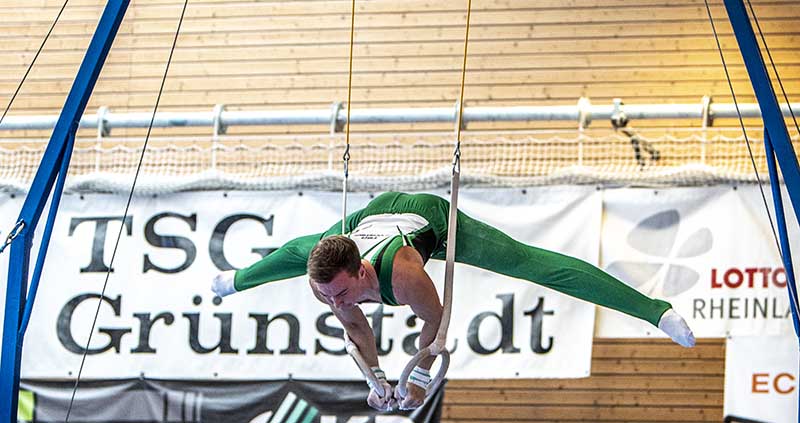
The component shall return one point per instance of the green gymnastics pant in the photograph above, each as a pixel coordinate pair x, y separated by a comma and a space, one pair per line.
483, 246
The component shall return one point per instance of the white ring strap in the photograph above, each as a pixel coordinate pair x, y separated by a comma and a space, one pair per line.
438, 347
365, 368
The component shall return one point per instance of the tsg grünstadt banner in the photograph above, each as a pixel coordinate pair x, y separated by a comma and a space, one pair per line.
158, 317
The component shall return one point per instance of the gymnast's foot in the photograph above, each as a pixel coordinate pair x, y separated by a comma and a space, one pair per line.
673, 325
223, 284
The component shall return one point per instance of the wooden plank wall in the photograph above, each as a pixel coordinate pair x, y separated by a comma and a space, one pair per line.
633, 380
278, 55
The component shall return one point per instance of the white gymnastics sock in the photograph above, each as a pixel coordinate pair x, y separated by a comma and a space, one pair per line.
223, 283
673, 325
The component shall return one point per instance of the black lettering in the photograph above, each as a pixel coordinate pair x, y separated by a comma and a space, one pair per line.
506, 326
170, 241
64, 326
224, 343
262, 324
775, 313
699, 305
410, 341
215, 245
760, 307
733, 308
537, 319
332, 331
746, 307
97, 263
377, 329
719, 307
145, 324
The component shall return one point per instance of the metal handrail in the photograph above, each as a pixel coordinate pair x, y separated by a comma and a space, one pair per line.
583, 111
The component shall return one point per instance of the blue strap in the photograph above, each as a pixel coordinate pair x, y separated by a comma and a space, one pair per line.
786, 255
65, 157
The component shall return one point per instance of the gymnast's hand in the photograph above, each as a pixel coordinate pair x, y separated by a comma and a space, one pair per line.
385, 402
415, 396
223, 283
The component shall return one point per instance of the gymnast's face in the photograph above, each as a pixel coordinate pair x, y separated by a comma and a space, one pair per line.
344, 289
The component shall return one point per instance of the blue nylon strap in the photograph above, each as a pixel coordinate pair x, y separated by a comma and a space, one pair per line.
65, 157
783, 234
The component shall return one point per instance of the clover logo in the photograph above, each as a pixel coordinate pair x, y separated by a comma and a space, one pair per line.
655, 239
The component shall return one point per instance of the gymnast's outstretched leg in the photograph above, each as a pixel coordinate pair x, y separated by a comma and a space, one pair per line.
486, 247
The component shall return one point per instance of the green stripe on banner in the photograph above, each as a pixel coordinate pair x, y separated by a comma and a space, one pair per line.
284, 408
312, 412
298, 411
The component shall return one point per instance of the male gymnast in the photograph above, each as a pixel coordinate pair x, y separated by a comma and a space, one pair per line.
382, 258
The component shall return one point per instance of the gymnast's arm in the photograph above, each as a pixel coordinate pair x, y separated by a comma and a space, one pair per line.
413, 286
288, 261
357, 329
356, 326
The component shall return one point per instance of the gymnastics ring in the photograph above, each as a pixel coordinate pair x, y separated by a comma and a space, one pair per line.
433, 349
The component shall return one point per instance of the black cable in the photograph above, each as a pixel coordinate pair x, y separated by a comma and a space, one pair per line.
28, 71
127, 208
774, 68
744, 131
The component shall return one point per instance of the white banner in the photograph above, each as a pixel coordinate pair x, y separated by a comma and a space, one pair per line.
761, 378
708, 251
158, 316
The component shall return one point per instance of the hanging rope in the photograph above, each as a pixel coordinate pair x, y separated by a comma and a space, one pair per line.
127, 208
350, 346
776, 192
460, 117
19, 226
772, 64
346, 156
438, 346
36, 56
744, 131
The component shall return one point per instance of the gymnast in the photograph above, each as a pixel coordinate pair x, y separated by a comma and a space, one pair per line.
382, 257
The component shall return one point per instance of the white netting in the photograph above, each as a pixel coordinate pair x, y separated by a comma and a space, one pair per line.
264, 163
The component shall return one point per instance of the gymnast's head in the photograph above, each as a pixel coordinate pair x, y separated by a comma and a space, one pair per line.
331, 256
334, 267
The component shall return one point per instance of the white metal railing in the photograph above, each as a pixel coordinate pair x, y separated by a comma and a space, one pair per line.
219, 119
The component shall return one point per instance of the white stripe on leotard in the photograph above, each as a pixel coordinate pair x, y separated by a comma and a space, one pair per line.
382, 228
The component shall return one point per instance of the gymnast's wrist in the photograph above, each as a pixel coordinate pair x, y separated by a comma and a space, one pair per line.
420, 376
379, 374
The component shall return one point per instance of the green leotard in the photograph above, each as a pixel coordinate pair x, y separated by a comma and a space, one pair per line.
394, 219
